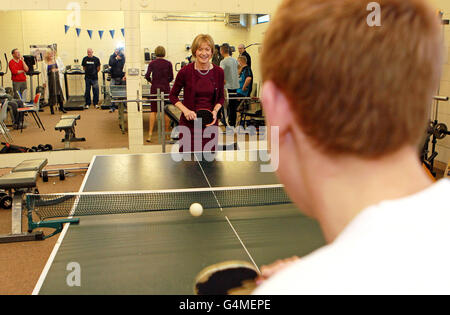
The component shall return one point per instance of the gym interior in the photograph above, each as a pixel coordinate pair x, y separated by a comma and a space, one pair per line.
103, 32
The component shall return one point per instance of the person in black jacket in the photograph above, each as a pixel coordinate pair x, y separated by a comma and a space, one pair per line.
117, 63
243, 52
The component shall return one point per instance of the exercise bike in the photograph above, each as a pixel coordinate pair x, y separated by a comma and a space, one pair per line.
435, 131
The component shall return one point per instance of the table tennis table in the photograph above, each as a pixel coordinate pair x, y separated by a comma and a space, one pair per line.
161, 252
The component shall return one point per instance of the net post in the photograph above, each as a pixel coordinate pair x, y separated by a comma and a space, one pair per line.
16, 216
163, 122
158, 96
16, 231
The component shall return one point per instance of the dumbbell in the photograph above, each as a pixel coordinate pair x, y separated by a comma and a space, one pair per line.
61, 173
48, 147
41, 148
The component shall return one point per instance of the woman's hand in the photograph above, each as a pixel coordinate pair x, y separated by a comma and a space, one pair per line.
269, 270
214, 118
190, 115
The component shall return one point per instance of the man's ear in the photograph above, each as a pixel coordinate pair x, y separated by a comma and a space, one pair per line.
276, 107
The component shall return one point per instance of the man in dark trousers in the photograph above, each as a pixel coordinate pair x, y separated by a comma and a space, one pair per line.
91, 67
117, 63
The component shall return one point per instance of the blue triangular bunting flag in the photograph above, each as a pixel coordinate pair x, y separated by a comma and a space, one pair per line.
90, 33
112, 33
123, 32
78, 31
100, 33
66, 28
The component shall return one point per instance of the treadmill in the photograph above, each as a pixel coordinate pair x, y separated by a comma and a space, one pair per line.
2, 73
106, 74
73, 102
30, 60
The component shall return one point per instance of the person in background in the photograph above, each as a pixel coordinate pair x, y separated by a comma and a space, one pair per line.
203, 85
351, 104
217, 57
18, 70
243, 52
245, 78
91, 66
117, 63
13, 106
230, 68
159, 74
51, 77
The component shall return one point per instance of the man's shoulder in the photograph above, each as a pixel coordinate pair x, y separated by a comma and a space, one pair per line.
229, 61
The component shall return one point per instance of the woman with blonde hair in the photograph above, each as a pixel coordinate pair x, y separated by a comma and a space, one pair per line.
203, 85
52, 81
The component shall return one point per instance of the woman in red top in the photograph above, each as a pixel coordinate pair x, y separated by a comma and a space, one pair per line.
203, 85
159, 74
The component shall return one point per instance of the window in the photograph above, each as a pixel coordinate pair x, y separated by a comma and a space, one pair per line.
262, 18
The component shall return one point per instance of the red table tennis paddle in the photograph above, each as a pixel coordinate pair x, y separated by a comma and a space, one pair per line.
226, 278
206, 116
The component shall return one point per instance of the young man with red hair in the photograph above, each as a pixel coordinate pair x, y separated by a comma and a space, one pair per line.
352, 102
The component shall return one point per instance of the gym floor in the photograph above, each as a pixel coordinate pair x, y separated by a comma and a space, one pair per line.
99, 127
21, 263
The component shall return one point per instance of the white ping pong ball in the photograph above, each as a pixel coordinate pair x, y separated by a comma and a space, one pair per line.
196, 209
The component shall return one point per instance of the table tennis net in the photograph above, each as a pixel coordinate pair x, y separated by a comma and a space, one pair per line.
98, 203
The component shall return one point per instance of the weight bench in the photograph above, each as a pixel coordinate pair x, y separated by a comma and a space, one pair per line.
26, 166
67, 124
22, 181
174, 115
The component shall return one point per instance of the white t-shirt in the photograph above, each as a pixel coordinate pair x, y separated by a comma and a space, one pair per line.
395, 247
230, 69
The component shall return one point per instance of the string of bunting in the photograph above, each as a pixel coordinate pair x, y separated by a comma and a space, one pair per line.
91, 32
